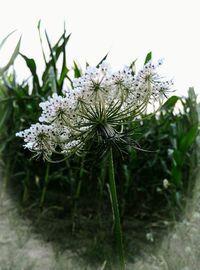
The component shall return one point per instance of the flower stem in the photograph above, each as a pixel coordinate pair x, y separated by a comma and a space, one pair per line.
116, 215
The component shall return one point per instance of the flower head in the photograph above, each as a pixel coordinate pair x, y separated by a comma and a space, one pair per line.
94, 84
57, 108
97, 110
39, 138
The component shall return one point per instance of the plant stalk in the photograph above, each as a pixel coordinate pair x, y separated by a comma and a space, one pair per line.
116, 215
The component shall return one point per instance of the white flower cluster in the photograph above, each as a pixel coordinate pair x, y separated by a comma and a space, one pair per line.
38, 138
100, 103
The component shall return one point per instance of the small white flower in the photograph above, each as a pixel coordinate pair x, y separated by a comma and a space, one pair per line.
39, 138
149, 82
69, 147
123, 79
94, 84
57, 108
166, 183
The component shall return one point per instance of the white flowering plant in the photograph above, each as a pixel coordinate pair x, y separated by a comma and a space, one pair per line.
95, 114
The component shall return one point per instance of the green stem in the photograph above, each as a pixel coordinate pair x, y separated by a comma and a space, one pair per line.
116, 215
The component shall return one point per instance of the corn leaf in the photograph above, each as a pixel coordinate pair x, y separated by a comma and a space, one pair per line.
32, 66
12, 58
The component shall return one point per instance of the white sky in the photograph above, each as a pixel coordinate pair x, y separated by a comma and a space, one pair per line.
127, 29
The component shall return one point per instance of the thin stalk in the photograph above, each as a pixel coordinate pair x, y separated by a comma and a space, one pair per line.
115, 209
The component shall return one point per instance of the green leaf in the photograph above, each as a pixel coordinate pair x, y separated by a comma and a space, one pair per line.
53, 59
12, 58
61, 49
191, 94
4, 40
52, 80
49, 44
5, 142
170, 103
148, 58
57, 49
188, 139
64, 69
176, 176
103, 59
63, 74
41, 42
178, 158
77, 71
32, 66
5, 116
55, 52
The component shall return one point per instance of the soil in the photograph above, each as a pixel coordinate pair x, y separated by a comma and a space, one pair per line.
22, 245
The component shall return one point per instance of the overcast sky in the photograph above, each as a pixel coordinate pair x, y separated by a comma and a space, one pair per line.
126, 29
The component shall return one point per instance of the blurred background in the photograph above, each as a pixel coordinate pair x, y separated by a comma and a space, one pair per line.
126, 29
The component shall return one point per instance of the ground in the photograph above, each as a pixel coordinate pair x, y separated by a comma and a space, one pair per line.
22, 248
